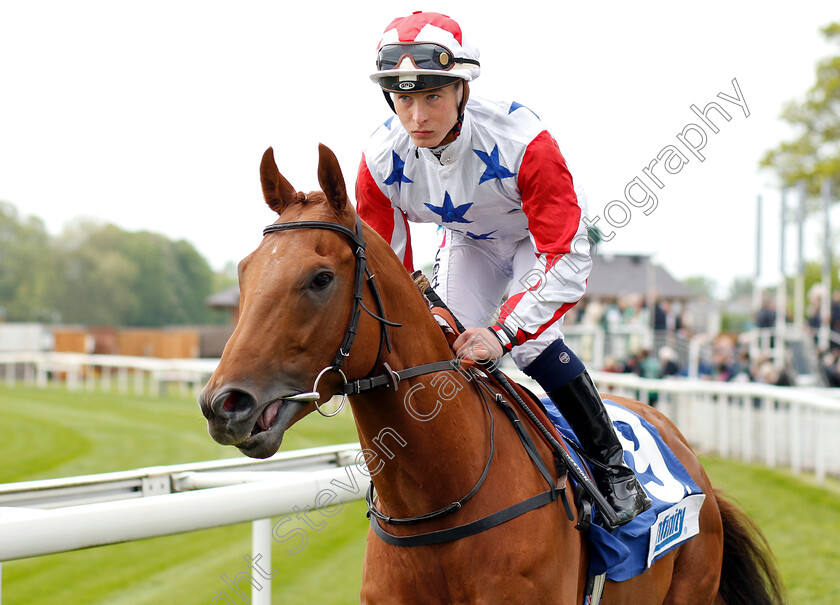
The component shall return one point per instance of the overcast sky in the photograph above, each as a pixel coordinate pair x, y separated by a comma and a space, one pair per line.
154, 115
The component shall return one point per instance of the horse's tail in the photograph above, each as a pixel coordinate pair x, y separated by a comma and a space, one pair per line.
749, 575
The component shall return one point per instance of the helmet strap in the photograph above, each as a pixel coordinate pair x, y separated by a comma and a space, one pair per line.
462, 107
389, 100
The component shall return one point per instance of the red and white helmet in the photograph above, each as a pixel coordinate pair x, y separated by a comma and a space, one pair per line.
424, 51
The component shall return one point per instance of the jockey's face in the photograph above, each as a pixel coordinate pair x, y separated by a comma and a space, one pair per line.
429, 116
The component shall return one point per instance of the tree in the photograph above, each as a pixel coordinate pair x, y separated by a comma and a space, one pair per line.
225, 278
100, 274
814, 155
700, 286
97, 278
28, 267
112, 276
741, 287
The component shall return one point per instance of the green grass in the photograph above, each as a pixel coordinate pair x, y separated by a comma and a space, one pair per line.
54, 433
801, 521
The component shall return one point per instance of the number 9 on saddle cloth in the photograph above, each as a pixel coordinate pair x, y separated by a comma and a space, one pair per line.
673, 518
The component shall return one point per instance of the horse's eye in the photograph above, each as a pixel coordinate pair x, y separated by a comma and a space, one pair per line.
321, 281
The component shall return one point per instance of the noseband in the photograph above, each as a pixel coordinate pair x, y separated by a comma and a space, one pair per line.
357, 242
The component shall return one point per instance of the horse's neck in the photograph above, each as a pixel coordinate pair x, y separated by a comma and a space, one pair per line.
420, 439
427, 439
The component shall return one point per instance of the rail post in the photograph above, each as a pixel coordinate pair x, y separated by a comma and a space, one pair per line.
261, 555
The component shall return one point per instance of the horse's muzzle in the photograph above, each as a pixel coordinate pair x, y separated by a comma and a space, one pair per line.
237, 417
229, 414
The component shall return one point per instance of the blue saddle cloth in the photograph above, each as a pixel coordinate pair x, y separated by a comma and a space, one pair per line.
676, 498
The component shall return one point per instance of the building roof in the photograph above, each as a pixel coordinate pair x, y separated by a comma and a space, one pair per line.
227, 298
615, 275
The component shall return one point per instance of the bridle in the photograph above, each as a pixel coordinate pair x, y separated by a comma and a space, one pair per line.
357, 242
390, 377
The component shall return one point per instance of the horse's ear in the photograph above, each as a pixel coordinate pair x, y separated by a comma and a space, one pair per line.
330, 178
278, 192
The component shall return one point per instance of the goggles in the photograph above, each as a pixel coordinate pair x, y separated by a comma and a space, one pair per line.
423, 55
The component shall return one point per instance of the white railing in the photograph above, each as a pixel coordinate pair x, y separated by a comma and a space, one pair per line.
82, 371
595, 346
60, 515
790, 427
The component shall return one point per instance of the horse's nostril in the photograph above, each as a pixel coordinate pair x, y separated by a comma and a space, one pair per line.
233, 402
230, 402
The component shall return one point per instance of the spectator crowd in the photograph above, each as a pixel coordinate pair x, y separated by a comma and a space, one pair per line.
725, 357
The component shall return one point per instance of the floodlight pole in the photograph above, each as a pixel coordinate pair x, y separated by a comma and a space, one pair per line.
799, 280
779, 341
756, 288
757, 295
825, 306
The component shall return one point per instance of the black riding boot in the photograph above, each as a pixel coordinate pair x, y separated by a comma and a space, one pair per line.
579, 401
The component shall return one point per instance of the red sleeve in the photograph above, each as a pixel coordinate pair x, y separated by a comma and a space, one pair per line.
378, 212
554, 220
548, 197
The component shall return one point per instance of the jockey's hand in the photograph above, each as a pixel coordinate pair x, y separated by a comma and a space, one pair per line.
479, 345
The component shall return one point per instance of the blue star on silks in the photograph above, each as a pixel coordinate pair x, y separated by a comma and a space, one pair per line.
449, 212
397, 175
482, 235
514, 106
495, 170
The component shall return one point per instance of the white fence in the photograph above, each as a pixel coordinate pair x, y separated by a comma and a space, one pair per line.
82, 371
790, 427
777, 426
60, 515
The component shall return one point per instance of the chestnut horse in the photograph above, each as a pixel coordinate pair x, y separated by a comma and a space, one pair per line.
430, 439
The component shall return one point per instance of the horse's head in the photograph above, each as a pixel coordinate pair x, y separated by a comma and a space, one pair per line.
296, 298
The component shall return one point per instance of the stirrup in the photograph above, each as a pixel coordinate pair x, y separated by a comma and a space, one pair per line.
636, 499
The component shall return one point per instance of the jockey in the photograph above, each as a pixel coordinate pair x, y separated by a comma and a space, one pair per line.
513, 223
